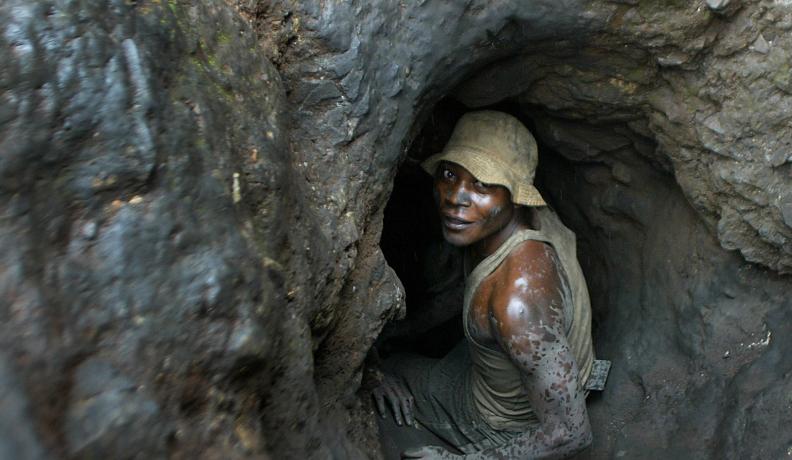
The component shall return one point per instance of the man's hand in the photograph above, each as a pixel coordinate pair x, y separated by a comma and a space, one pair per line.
429, 453
399, 398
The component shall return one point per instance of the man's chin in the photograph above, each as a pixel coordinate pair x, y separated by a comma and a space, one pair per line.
455, 238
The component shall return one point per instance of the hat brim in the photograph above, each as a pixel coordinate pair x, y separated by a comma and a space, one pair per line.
485, 168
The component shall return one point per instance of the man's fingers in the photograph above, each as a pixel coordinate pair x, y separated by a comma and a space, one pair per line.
408, 411
414, 453
426, 452
393, 398
407, 406
405, 403
379, 399
398, 397
402, 394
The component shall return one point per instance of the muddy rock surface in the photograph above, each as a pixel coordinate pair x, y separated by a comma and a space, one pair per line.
192, 197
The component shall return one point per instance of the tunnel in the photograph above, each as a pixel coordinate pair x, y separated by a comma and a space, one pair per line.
588, 185
640, 242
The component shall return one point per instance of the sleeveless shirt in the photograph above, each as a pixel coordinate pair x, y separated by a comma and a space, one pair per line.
497, 390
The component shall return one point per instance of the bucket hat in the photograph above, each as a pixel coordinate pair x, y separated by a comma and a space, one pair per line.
496, 148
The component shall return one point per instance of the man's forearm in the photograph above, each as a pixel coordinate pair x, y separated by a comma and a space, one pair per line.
535, 444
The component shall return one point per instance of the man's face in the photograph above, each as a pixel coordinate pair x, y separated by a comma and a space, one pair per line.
470, 211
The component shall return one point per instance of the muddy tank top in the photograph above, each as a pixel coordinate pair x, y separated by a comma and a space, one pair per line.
497, 389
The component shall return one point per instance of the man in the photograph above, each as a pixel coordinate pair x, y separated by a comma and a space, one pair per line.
515, 388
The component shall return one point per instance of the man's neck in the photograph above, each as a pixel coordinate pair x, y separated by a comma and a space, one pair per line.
482, 249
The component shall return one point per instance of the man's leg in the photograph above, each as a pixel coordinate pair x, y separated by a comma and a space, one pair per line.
396, 439
438, 388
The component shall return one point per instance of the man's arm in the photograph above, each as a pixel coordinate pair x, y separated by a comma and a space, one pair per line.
528, 322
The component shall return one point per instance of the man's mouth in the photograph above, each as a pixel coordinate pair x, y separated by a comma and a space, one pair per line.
455, 223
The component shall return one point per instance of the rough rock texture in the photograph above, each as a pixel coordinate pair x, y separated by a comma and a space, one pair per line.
142, 293
696, 335
711, 91
189, 248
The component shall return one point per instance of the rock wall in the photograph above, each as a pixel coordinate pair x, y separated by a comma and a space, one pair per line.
696, 334
190, 234
145, 180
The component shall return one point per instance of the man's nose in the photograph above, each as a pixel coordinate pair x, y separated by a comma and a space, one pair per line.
459, 196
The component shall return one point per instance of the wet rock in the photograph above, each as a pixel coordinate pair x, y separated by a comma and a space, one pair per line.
718, 4
18, 438
646, 254
143, 144
110, 415
761, 45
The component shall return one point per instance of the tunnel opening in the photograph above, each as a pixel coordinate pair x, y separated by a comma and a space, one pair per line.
601, 168
601, 171
431, 269
616, 163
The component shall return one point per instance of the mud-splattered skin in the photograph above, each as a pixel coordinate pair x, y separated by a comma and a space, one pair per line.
519, 309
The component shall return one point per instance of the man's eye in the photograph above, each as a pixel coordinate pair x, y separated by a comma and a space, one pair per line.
482, 185
447, 174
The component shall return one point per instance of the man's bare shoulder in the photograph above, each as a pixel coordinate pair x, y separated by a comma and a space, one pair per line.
531, 254
528, 289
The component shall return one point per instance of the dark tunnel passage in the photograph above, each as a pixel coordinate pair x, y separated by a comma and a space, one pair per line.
431, 270
636, 234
